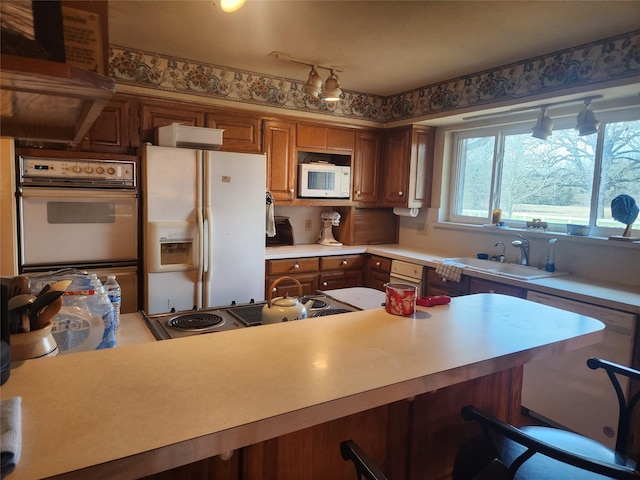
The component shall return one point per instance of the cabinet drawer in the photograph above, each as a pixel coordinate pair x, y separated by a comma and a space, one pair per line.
342, 262
309, 283
337, 279
380, 263
288, 266
378, 280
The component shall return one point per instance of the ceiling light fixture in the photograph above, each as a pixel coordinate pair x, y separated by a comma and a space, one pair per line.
231, 5
544, 126
313, 86
586, 122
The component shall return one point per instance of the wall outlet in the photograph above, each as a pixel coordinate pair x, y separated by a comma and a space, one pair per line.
307, 225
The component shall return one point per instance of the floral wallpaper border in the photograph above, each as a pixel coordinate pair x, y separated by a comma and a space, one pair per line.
598, 62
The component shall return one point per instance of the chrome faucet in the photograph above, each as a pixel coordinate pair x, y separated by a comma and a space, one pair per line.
501, 258
523, 245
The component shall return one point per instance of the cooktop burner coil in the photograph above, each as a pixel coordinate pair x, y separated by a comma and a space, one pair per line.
195, 322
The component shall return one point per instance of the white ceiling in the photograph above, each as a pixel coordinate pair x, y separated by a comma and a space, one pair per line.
384, 47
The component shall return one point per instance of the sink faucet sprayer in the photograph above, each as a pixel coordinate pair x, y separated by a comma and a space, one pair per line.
523, 245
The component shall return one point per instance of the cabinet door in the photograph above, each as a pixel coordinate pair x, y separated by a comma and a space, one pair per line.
320, 137
378, 271
166, 113
366, 168
408, 168
241, 132
279, 145
478, 285
397, 157
110, 131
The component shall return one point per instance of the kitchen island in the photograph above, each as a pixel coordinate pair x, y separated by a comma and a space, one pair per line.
140, 409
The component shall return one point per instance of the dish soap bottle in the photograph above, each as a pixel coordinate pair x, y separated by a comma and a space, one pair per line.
550, 265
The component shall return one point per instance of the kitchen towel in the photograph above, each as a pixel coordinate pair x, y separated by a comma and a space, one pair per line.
450, 270
11, 436
271, 223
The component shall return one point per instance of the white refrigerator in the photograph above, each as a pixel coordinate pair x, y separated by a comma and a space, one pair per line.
204, 228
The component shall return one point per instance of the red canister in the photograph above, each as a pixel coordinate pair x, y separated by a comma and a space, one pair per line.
400, 299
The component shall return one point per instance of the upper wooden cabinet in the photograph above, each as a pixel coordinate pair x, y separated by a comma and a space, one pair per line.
321, 138
241, 131
366, 168
408, 167
110, 131
279, 145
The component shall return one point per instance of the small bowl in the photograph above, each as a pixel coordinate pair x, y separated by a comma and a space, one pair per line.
578, 230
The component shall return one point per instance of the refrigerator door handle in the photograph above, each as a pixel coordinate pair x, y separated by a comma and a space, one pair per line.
208, 260
200, 258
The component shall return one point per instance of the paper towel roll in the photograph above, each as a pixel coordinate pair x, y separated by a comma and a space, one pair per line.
406, 212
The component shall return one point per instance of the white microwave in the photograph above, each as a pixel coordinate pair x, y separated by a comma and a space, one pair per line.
324, 180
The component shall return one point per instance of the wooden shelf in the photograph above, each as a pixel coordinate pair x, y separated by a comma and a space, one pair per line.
49, 101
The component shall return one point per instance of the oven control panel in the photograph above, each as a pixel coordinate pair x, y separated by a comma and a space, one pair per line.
78, 172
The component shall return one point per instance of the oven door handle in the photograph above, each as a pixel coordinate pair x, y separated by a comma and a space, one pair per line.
35, 192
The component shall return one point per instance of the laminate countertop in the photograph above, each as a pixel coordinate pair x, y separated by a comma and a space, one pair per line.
151, 406
605, 294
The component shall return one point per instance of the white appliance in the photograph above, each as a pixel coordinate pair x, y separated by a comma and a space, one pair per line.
409, 273
204, 224
323, 180
563, 391
80, 213
329, 219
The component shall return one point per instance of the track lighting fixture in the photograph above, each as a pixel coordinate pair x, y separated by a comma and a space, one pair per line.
543, 126
313, 86
586, 122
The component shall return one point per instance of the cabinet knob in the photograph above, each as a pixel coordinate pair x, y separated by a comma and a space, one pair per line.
377, 264
444, 280
324, 284
291, 191
296, 266
344, 262
401, 193
358, 192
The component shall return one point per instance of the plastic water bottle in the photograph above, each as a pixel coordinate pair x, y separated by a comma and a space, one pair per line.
115, 295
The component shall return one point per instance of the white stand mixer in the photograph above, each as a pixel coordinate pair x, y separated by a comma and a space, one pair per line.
329, 219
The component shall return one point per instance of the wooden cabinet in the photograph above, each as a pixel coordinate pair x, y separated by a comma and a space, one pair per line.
279, 145
366, 168
305, 270
377, 272
241, 131
341, 271
408, 167
440, 286
321, 137
159, 114
110, 131
479, 285
206, 469
314, 273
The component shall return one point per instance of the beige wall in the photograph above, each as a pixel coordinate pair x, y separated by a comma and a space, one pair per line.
8, 224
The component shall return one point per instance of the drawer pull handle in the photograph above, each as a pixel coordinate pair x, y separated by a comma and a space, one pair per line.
296, 266
377, 264
344, 262
324, 284
401, 193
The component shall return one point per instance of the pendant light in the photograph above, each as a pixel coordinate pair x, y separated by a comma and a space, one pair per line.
586, 120
332, 89
313, 86
543, 126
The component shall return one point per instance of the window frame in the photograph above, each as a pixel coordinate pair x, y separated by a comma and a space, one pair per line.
500, 127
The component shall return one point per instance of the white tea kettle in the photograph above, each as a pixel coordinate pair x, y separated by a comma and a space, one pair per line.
285, 308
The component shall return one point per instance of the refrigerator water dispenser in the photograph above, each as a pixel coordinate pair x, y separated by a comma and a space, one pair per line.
170, 246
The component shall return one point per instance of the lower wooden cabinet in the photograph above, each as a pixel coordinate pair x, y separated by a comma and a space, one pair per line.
411, 439
314, 273
479, 285
377, 272
440, 286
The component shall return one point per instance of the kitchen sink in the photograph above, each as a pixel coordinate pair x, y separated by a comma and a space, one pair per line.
510, 270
